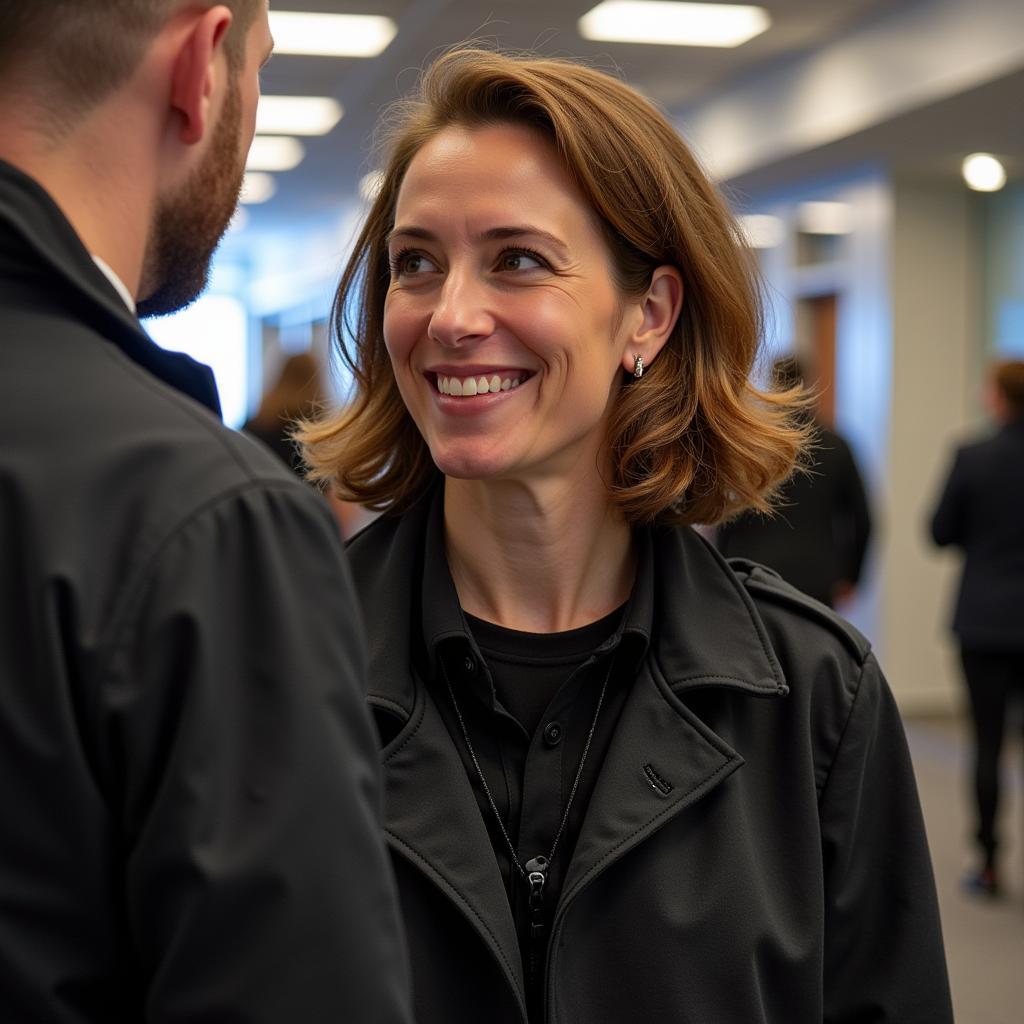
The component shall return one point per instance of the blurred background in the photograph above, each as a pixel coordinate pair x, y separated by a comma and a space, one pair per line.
840, 131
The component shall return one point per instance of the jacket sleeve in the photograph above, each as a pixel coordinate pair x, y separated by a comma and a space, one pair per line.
884, 958
244, 771
949, 524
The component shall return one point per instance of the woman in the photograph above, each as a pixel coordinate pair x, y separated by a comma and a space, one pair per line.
625, 781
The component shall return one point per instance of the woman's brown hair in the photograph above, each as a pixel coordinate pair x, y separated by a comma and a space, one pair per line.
693, 440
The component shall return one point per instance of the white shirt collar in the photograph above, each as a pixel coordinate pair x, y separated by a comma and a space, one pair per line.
119, 286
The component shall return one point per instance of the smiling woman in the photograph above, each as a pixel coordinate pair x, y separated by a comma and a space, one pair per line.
625, 780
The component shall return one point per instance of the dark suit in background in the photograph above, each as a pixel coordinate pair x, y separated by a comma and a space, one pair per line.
982, 511
817, 538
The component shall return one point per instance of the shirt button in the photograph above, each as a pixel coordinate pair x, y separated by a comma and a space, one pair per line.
552, 734
469, 665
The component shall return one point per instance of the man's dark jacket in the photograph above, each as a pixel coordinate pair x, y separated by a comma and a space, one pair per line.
982, 511
188, 778
753, 851
819, 533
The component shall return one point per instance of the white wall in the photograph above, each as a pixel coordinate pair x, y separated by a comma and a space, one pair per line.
937, 335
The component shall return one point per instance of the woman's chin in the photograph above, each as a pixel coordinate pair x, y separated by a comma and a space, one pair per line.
471, 465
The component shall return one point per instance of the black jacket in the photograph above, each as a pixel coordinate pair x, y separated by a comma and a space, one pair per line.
819, 534
188, 777
982, 511
753, 851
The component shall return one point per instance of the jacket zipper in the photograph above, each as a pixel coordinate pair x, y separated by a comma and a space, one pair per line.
536, 877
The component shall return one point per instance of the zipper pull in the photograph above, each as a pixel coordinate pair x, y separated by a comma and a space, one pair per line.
536, 875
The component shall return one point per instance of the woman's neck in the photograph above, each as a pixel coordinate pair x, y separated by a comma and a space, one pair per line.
540, 557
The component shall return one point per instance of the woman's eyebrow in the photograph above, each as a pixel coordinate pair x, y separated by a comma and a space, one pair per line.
502, 233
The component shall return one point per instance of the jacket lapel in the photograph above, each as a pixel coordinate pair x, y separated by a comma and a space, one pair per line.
445, 838
663, 759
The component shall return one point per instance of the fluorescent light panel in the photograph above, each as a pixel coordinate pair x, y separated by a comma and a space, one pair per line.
297, 115
673, 24
331, 35
983, 172
274, 153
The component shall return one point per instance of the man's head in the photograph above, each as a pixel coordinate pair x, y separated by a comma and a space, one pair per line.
76, 52
191, 67
1006, 390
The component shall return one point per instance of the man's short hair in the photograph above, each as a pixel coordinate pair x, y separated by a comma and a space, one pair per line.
71, 54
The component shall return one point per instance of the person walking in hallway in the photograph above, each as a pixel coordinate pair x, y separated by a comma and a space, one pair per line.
188, 775
818, 532
981, 511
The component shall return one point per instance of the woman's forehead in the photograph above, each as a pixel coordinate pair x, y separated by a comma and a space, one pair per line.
486, 176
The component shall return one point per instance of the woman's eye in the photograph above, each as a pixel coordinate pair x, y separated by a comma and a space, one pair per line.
410, 264
515, 260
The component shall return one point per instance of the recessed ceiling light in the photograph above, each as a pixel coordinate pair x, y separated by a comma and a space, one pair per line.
274, 153
673, 24
761, 231
331, 35
257, 187
983, 172
297, 115
825, 218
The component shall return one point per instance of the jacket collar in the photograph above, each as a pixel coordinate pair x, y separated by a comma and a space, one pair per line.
697, 600
39, 248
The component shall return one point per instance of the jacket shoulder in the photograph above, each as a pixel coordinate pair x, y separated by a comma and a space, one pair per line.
790, 610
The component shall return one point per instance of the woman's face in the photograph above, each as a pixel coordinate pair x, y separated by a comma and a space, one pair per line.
505, 328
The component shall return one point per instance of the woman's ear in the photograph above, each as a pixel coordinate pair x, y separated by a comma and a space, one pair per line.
195, 71
659, 310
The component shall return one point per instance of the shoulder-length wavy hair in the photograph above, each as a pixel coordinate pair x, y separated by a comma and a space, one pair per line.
692, 441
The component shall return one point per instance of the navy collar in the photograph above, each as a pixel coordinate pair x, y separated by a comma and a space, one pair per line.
43, 258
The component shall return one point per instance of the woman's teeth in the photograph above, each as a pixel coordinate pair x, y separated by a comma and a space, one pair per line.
465, 386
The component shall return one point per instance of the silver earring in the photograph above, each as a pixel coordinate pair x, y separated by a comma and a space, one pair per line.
638, 367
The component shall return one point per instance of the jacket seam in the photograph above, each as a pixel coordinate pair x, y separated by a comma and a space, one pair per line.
844, 730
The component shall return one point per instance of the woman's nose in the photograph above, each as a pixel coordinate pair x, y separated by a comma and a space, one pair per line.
462, 314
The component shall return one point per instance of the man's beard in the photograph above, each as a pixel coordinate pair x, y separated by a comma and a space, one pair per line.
188, 226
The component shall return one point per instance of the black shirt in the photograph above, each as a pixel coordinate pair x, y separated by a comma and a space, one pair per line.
530, 772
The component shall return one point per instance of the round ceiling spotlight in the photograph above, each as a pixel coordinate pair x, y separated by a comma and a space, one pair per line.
983, 172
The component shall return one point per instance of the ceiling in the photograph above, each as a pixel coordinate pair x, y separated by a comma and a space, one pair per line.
327, 180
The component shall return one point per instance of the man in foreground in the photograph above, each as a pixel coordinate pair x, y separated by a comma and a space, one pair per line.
188, 777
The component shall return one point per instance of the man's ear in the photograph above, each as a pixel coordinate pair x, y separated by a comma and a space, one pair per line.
659, 310
195, 72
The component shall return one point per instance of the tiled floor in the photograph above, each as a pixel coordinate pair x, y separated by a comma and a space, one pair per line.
984, 939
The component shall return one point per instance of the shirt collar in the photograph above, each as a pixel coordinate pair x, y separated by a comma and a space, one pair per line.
442, 617
119, 286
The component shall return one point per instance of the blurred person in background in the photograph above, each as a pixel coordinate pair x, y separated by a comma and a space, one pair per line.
624, 781
188, 777
297, 392
981, 511
817, 534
